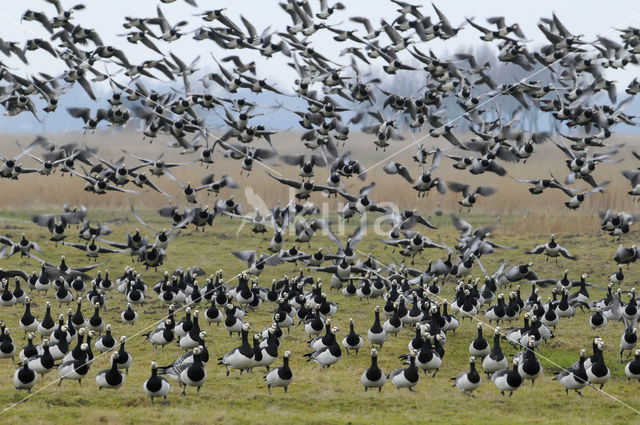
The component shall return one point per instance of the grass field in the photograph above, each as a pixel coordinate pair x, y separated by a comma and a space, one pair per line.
335, 396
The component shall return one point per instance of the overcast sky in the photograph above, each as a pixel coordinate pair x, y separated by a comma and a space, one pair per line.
590, 18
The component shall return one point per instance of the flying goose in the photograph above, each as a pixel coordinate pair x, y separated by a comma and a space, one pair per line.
552, 249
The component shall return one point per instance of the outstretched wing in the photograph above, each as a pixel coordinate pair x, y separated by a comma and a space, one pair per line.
566, 254
255, 200
537, 250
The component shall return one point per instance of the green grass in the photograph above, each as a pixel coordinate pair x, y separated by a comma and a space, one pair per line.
318, 396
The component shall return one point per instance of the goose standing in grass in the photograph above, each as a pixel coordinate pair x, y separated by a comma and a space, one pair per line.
75, 369
231, 322
173, 370
614, 310
373, 377
313, 324
156, 386
213, 314
452, 322
393, 324
417, 342
79, 286
428, 359
550, 318
514, 335
77, 319
268, 349
496, 359
161, 336
479, 347
7, 347
63, 294
112, 377
529, 367
632, 369
407, 377
283, 319
28, 350
496, 312
192, 338
240, 357
598, 320
129, 316
352, 341
124, 359
630, 311
28, 322
106, 342
95, 322
47, 325
468, 381
60, 348
508, 379
42, 363
19, 294
281, 376
564, 309
617, 277
377, 335
61, 331
184, 326
320, 342
42, 281
327, 355
574, 378
134, 294
90, 357
580, 298
350, 290
629, 339
598, 372
25, 378
193, 374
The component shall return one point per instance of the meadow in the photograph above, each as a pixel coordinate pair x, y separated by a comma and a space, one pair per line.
335, 395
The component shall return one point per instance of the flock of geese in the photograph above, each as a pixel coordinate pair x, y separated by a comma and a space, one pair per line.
336, 98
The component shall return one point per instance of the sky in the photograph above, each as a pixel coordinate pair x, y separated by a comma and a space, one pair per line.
590, 18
